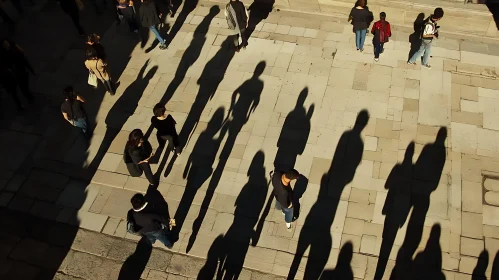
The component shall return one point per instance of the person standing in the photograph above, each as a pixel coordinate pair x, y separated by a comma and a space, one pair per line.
126, 8
94, 41
140, 151
149, 17
73, 111
237, 19
381, 31
152, 225
361, 17
98, 67
72, 9
165, 128
283, 192
429, 32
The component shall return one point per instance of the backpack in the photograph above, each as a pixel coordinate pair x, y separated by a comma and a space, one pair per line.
231, 21
131, 226
380, 33
422, 27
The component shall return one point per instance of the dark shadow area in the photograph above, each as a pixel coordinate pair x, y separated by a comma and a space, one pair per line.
298, 191
294, 134
248, 205
210, 268
134, 265
493, 6
263, 217
415, 38
156, 199
189, 6
244, 101
122, 109
481, 266
343, 269
258, 11
495, 267
426, 177
316, 231
428, 264
396, 208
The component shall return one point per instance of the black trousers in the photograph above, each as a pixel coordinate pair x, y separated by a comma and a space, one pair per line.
172, 140
148, 173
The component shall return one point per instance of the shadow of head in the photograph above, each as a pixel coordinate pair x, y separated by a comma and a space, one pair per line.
441, 136
409, 152
301, 98
361, 121
257, 163
418, 22
260, 67
214, 10
345, 255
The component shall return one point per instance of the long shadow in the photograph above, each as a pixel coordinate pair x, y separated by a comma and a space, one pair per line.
248, 204
426, 177
244, 101
428, 264
415, 38
199, 166
294, 134
397, 206
316, 231
189, 6
258, 11
215, 253
343, 269
481, 267
495, 267
298, 191
122, 110
134, 265
493, 7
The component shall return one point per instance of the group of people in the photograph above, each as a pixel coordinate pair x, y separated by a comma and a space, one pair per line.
361, 19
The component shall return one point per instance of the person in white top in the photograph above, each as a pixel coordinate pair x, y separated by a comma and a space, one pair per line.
429, 32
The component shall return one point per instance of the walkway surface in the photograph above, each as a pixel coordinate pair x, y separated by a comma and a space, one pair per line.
400, 164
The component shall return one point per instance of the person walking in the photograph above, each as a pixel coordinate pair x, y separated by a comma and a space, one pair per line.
73, 111
98, 67
165, 128
429, 32
140, 151
381, 31
72, 9
237, 19
361, 18
283, 192
93, 40
127, 10
151, 224
149, 17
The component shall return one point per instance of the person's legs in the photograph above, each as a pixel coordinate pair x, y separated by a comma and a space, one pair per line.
162, 236
169, 139
288, 214
236, 40
377, 48
381, 47
148, 173
82, 124
109, 86
362, 39
278, 205
357, 39
156, 33
427, 47
417, 54
244, 39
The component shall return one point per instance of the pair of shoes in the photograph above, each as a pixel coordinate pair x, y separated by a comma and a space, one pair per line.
163, 47
288, 225
427, 66
411, 63
376, 59
357, 48
361, 50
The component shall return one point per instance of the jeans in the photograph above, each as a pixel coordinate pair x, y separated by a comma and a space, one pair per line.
426, 49
81, 124
378, 48
158, 36
160, 235
360, 38
288, 212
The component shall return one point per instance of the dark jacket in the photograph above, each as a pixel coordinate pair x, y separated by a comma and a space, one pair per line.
241, 16
361, 18
149, 221
148, 14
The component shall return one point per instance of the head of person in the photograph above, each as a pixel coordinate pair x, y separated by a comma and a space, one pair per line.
135, 138
291, 175
90, 53
93, 38
437, 14
159, 110
69, 93
138, 201
382, 15
361, 3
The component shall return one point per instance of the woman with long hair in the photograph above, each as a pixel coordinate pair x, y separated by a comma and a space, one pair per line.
73, 111
98, 67
361, 18
140, 152
149, 17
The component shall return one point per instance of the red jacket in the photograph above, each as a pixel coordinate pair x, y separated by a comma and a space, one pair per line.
380, 24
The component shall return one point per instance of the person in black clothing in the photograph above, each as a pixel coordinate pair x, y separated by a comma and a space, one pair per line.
165, 127
72, 110
127, 10
281, 181
361, 18
93, 40
140, 151
237, 14
149, 18
71, 8
152, 225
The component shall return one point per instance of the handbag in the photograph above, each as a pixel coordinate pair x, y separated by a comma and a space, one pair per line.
92, 79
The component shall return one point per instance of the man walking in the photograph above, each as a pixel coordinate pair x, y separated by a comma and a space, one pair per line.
430, 32
283, 192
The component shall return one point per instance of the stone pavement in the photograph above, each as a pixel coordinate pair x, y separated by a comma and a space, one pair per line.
367, 192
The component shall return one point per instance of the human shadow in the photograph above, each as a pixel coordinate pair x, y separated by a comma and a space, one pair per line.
210, 268
122, 110
298, 191
415, 38
244, 101
248, 205
397, 206
428, 263
493, 7
189, 6
199, 167
343, 269
258, 11
316, 231
481, 267
495, 267
135, 264
294, 134
425, 179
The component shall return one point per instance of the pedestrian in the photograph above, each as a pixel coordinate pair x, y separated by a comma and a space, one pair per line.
361, 18
151, 224
140, 151
237, 19
73, 111
149, 17
381, 31
94, 41
165, 128
283, 192
429, 32
72, 9
127, 10
98, 67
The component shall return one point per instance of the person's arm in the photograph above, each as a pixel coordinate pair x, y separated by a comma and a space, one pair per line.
65, 115
426, 32
372, 29
79, 98
350, 16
